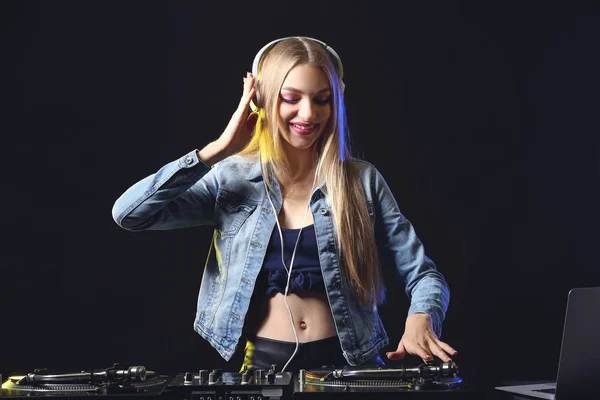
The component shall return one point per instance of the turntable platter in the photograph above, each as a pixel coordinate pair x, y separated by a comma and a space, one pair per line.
110, 381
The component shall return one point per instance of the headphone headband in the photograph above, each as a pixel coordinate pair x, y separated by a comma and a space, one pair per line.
330, 50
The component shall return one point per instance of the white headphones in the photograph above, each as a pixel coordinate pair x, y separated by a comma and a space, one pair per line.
336, 58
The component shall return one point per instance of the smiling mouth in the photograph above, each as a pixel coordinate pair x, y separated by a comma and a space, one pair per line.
304, 129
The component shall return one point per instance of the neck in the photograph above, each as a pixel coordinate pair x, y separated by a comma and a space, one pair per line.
303, 165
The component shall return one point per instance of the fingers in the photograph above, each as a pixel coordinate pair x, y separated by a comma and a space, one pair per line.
426, 350
421, 351
399, 354
437, 350
447, 348
249, 90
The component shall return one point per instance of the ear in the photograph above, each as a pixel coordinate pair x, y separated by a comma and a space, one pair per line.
251, 121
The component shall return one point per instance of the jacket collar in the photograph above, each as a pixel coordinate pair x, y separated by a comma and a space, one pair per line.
255, 174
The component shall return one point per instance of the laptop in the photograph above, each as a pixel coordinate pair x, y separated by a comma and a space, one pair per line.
579, 360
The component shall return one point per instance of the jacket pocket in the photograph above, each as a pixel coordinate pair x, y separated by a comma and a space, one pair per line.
232, 211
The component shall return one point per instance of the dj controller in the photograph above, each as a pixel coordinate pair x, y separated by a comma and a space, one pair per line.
426, 381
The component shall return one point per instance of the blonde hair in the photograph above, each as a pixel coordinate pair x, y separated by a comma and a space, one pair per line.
344, 192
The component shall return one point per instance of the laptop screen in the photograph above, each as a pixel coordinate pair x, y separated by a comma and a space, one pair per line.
579, 360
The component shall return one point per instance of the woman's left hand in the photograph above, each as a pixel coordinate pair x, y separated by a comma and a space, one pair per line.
420, 340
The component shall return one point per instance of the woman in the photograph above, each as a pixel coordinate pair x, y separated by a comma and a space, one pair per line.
301, 228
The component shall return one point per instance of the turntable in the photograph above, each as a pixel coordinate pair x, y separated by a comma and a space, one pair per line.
426, 381
120, 379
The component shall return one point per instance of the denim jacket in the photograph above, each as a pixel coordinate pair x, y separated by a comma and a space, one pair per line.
231, 196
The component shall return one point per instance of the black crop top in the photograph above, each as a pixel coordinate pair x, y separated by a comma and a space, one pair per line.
306, 271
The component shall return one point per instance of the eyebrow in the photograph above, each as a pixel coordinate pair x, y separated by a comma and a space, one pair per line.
291, 89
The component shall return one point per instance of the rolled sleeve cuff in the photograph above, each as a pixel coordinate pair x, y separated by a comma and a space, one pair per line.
189, 160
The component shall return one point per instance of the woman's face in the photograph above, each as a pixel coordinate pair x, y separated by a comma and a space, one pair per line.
304, 105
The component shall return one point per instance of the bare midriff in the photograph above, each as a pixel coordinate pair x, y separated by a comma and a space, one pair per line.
312, 318
310, 311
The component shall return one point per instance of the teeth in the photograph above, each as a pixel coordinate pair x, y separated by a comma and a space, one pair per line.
307, 127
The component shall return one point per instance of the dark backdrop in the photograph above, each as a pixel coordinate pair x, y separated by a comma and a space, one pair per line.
482, 116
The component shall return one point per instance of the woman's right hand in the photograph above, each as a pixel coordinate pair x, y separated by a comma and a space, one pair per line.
241, 125
239, 130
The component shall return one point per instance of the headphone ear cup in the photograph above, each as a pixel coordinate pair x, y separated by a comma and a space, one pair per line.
255, 101
253, 106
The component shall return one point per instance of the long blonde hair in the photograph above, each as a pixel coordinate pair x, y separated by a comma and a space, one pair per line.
344, 192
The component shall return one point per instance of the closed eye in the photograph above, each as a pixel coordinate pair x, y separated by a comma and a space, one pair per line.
294, 101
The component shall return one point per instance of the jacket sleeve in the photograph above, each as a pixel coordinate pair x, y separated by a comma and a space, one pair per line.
181, 194
399, 246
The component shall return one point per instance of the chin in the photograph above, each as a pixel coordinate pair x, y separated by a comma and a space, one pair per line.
301, 143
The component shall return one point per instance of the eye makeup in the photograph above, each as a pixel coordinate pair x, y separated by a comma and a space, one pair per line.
293, 99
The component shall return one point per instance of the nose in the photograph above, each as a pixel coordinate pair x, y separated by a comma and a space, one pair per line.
307, 110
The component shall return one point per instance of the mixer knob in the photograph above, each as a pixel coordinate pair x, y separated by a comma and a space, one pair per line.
203, 375
246, 377
188, 378
271, 376
214, 376
259, 374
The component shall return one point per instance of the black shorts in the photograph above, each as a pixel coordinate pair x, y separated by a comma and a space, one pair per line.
324, 353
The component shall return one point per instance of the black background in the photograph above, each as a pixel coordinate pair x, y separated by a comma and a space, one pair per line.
482, 116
